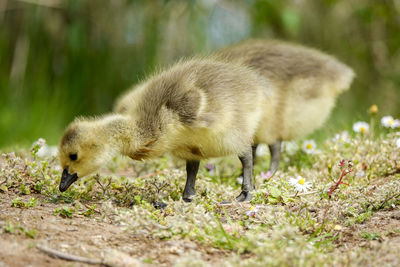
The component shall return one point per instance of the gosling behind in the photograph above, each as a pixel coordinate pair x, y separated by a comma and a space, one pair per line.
306, 83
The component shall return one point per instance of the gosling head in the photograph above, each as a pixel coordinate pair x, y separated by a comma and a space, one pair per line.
82, 150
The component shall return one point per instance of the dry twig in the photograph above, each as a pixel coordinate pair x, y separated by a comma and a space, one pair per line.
303, 194
64, 256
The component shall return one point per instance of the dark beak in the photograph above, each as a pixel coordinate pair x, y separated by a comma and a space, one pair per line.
67, 179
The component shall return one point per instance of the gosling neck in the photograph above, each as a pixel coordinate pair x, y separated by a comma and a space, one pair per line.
124, 135
119, 133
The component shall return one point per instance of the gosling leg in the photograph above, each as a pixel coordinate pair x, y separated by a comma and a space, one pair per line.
253, 151
191, 171
275, 150
248, 183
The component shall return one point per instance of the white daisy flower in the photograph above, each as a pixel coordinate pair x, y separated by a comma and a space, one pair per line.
398, 143
389, 122
253, 210
360, 174
361, 127
262, 150
342, 137
300, 184
44, 150
396, 124
41, 142
47, 151
309, 146
291, 147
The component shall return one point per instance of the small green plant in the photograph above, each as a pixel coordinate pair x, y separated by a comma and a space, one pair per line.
3, 188
148, 260
38, 186
61, 198
65, 212
370, 236
90, 211
275, 195
10, 228
19, 203
220, 238
364, 216
31, 233
17, 229
24, 189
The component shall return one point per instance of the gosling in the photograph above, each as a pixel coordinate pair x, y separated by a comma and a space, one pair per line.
304, 85
197, 109
305, 81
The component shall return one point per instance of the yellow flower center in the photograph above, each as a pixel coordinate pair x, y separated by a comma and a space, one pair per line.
251, 208
301, 181
363, 130
390, 122
309, 146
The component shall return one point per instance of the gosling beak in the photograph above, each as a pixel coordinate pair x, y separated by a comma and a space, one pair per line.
67, 179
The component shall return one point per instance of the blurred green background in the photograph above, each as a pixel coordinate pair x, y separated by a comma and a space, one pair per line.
60, 59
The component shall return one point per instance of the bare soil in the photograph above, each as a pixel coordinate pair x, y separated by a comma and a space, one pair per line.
87, 237
96, 239
384, 244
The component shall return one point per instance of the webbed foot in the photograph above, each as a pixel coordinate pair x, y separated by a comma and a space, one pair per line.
188, 199
159, 205
244, 196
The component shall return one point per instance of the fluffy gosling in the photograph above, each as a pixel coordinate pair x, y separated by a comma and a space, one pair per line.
305, 82
197, 109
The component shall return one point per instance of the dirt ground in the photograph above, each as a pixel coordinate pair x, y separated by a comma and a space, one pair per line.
89, 238
93, 238
385, 244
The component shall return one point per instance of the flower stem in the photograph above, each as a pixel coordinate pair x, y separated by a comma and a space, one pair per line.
336, 185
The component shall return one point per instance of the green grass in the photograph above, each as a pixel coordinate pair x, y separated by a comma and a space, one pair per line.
285, 228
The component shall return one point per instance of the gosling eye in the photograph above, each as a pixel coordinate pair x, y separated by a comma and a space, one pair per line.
73, 157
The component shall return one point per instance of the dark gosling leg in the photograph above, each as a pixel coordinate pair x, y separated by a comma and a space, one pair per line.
191, 171
248, 183
275, 150
253, 151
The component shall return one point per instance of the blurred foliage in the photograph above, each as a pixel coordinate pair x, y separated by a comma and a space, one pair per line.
60, 59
